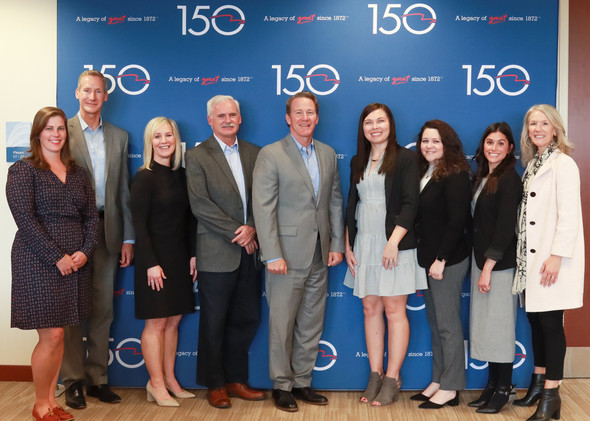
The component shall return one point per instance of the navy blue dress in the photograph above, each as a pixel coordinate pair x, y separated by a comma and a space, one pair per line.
53, 219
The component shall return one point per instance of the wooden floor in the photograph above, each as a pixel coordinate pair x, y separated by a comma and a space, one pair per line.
16, 402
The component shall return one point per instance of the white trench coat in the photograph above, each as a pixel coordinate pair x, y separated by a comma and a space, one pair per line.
554, 226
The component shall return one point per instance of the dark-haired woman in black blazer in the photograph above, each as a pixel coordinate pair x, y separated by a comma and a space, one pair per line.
496, 195
443, 250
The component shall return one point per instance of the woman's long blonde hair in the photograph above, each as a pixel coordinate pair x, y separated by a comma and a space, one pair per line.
528, 149
148, 150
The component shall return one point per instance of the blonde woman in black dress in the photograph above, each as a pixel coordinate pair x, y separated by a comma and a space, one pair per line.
164, 270
53, 205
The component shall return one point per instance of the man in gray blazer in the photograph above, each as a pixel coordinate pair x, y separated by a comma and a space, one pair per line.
298, 212
101, 149
219, 179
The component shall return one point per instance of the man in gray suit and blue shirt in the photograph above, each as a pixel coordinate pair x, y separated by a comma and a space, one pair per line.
101, 149
219, 179
298, 212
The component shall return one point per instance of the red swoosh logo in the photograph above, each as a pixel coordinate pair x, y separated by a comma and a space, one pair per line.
330, 356
137, 79
516, 79
130, 348
334, 81
231, 18
421, 17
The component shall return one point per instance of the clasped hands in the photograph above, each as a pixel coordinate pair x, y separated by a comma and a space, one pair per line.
71, 263
246, 237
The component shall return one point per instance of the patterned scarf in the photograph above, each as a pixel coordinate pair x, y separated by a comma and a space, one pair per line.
532, 169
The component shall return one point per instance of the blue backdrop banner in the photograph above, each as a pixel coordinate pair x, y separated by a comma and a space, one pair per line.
469, 63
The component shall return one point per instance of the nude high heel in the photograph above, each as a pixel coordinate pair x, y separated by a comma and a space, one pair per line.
183, 394
151, 397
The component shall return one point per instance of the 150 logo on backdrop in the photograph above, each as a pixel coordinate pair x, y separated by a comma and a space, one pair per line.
418, 19
327, 356
127, 356
321, 79
132, 79
516, 78
229, 23
519, 358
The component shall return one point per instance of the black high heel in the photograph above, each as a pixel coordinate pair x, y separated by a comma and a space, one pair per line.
534, 392
420, 397
549, 406
431, 405
485, 396
498, 400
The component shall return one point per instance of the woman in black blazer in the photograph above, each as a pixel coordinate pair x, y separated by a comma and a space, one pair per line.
381, 245
497, 190
443, 250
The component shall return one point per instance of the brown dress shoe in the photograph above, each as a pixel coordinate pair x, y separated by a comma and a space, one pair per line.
243, 391
218, 398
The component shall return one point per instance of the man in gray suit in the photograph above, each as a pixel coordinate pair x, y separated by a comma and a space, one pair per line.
219, 179
101, 149
298, 212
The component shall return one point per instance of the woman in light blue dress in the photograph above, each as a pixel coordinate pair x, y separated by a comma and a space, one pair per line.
381, 245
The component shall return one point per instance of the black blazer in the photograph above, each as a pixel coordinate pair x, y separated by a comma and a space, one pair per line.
494, 223
401, 195
443, 216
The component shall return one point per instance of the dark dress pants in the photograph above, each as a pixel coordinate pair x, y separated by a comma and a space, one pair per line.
229, 319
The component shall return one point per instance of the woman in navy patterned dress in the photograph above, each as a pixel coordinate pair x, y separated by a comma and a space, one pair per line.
53, 205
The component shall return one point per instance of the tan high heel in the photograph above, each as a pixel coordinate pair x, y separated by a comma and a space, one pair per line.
183, 394
151, 397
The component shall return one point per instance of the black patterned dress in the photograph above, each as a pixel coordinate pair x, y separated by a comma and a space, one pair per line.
165, 235
53, 219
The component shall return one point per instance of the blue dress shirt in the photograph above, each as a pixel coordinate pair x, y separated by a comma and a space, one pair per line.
232, 155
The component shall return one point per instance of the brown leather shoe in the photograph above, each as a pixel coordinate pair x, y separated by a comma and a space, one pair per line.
218, 398
243, 391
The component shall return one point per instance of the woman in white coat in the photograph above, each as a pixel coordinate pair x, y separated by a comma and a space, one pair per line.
550, 250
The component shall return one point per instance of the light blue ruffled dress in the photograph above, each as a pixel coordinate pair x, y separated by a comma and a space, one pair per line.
371, 277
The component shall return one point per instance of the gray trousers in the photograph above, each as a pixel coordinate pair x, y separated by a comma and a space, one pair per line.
297, 303
443, 312
93, 366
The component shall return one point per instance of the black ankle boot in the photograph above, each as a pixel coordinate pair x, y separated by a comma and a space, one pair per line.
485, 396
534, 392
549, 406
497, 401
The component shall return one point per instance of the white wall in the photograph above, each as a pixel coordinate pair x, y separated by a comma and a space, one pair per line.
28, 77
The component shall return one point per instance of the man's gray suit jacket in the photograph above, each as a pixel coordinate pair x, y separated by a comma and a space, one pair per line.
216, 202
118, 225
288, 216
